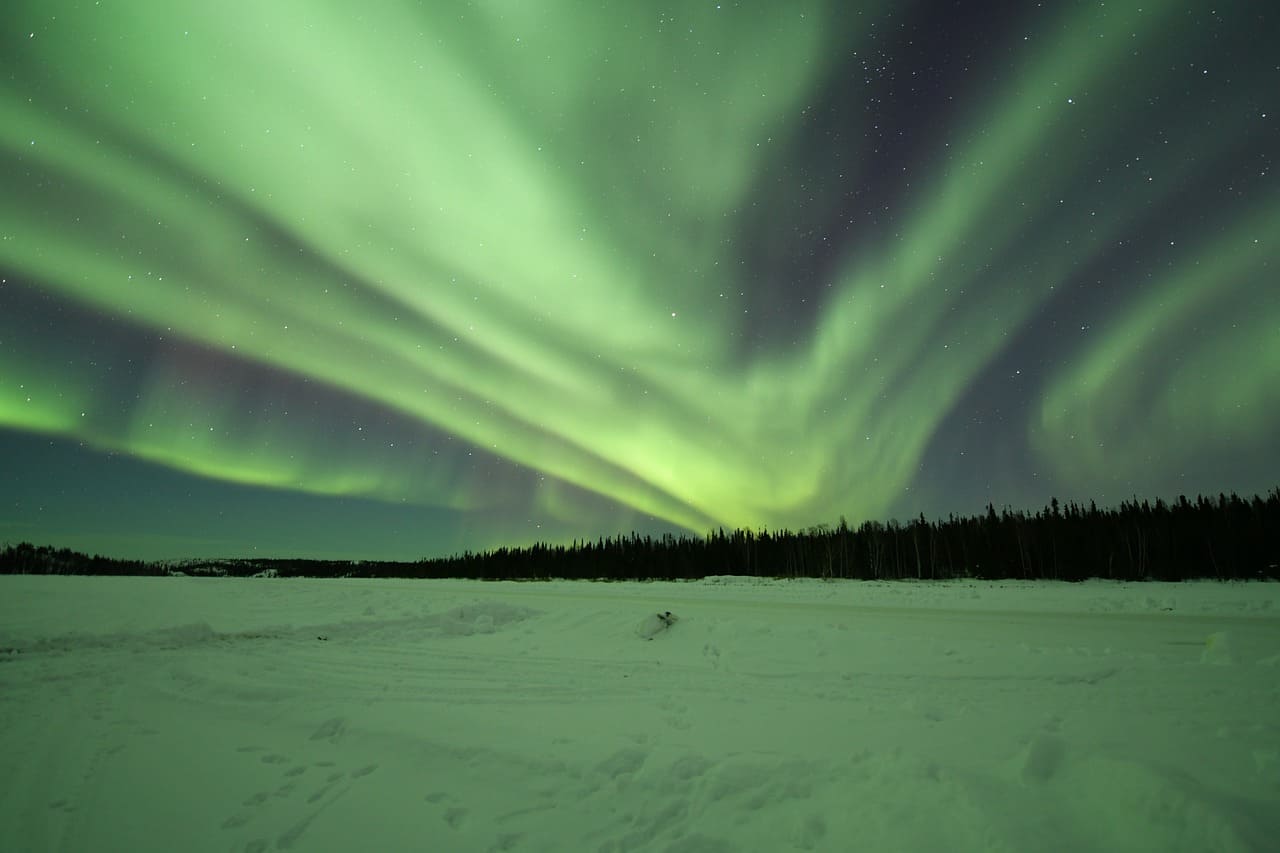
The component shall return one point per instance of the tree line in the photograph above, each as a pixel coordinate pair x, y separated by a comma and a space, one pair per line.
1224, 538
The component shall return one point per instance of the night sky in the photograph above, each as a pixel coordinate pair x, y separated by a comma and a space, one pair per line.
397, 279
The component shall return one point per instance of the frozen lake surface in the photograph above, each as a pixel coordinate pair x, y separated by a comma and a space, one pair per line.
163, 714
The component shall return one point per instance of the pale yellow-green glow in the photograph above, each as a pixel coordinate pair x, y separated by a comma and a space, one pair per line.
521, 233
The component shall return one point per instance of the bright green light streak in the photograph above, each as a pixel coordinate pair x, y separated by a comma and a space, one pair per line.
496, 247
911, 329
467, 339
1110, 412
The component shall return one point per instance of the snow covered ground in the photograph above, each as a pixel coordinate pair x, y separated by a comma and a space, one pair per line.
165, 714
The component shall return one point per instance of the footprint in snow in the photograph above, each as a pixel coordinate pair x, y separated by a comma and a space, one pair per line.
320, 798
331, 730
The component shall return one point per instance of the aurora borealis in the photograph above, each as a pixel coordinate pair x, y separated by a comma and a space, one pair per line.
401, 279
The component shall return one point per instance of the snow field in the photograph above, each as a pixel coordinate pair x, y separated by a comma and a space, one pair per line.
208, 714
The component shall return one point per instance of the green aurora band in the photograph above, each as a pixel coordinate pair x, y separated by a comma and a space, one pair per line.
519, 227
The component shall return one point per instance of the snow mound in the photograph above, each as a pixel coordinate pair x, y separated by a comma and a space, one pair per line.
174, 637
484, 617
464, 621
654, 624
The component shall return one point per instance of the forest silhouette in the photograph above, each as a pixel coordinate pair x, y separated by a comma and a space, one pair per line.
1223, 538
